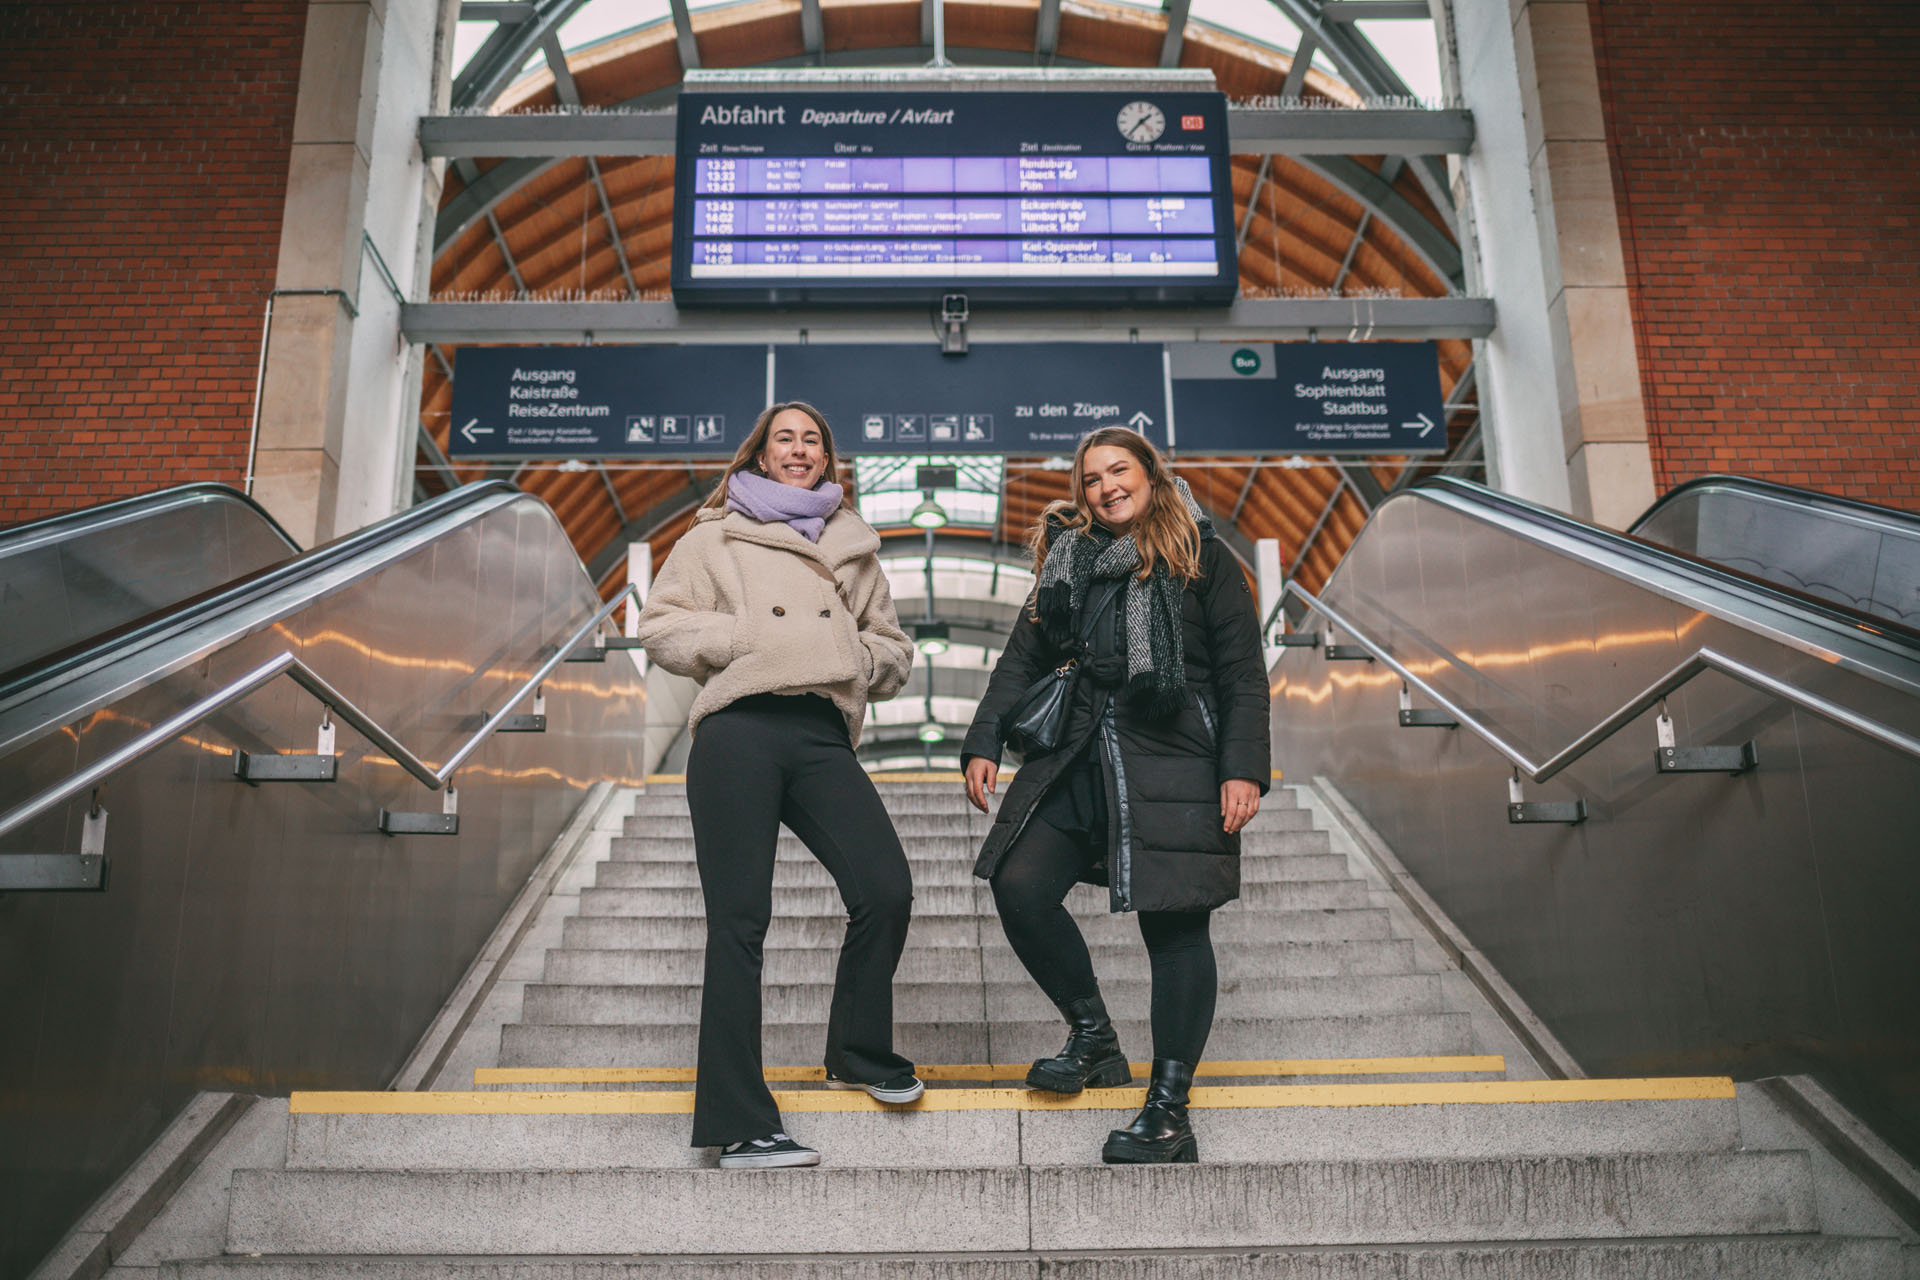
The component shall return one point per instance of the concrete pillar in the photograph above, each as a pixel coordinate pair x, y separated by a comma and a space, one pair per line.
1559, 381
339, 394
1267, 569
1603, 423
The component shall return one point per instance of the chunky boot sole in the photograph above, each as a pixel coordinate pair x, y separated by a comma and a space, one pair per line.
1107, 1073
1123, 1148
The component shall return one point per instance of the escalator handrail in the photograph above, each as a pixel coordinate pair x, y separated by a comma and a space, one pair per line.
194, 609
333, 703
1701, 660
1868, 512
70, 524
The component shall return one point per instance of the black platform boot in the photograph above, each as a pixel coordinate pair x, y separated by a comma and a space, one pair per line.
1160, 1134
1092, 1056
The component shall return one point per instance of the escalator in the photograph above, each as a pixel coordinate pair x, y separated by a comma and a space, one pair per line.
292, 795
1667, 792
70, 578
1853, 553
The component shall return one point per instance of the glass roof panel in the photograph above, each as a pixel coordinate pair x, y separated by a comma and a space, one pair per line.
1257, 20
598, 19
889, 489
1411, 48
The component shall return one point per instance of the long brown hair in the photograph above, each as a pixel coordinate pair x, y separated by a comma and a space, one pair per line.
1167, 531
756, 443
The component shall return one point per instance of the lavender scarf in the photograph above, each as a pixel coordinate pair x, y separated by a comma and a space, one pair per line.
803, 510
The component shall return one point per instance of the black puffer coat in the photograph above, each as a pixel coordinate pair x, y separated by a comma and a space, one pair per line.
1167, 849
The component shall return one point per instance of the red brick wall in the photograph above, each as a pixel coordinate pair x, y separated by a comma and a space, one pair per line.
144, 145
1764, 166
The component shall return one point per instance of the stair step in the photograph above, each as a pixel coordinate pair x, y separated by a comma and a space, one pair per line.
1357, 1036
856, 1210
875, 1137
679, 1003
995, 962
972, 899
1744, 1258
1234, 924
803, 871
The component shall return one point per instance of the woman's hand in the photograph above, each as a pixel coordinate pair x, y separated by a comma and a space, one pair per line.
1239, 801
981, 775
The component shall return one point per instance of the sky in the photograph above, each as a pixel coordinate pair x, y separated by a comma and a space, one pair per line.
1408, 45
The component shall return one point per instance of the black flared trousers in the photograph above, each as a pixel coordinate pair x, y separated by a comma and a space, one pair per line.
755, 764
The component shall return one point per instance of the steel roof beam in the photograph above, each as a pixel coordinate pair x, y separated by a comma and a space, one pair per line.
1302, 63
569, 94
1368, 10
813, 32
643, 526
494, 66
683, 35
1364, 70
1046, 33
1246, 320
1176, 32
1250, 131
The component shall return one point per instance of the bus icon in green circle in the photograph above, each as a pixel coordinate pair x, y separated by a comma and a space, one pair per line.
1246, 362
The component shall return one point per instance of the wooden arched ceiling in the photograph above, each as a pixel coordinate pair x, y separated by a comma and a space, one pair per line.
1303, 235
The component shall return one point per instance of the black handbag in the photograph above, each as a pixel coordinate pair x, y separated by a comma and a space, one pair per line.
1033, 726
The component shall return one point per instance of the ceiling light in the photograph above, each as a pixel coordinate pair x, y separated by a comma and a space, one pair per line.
928, 515
931, 637
932, 732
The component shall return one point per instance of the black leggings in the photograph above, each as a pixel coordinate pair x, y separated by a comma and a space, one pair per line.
755, 764
1028, 889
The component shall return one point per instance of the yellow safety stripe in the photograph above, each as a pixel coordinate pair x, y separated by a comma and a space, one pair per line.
991, 1071
662, 1102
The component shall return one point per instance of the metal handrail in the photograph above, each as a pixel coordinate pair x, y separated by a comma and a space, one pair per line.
1702, 659
334, 703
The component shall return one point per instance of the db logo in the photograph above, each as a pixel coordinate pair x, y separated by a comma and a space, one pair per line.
1192, 123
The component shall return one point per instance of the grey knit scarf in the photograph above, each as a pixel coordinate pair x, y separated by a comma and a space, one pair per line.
1077, 558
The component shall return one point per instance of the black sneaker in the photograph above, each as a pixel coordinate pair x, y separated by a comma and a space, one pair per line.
776, 1151
905, 1087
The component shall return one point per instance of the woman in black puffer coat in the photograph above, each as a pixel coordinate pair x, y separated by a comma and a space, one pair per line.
1163, 760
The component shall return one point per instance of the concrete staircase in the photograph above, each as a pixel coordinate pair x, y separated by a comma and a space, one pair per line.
1368, 1114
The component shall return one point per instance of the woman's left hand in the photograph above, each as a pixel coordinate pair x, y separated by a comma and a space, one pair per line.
1239, 801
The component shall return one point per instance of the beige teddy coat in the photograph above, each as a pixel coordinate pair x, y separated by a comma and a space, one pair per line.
734, 609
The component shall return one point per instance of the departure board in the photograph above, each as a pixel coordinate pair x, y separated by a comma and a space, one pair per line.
900, 196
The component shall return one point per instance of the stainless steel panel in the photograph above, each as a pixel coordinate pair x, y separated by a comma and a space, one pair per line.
1753, 924
66, 580
268, 938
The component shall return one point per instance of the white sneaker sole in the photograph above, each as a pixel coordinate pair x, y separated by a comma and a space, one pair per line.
894, 1096
772, 1160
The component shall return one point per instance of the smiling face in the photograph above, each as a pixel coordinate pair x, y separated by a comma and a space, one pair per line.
1115, 486
795, 453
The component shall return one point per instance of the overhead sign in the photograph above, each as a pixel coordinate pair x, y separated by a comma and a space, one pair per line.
1307, 397
605, 402
896, 196
1039, 398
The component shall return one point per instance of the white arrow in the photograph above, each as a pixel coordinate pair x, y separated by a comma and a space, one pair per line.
468, 433
1425, 425
1139, 421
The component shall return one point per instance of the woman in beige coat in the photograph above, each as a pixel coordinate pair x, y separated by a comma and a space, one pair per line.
774, 601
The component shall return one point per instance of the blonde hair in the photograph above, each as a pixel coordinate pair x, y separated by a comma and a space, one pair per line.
1167, 531
756, 443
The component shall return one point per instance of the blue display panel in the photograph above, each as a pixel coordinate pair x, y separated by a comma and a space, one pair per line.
1065, 197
